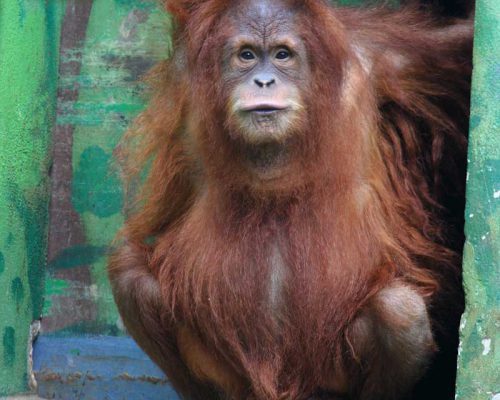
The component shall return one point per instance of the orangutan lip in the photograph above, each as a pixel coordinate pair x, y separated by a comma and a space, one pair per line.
264, 109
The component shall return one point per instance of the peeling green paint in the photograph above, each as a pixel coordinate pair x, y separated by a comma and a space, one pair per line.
77, 256
116, 53
9, 346
31, 207
17, 290
56, 287
2, 262
479, 360
112, 57
28, 32
96, 189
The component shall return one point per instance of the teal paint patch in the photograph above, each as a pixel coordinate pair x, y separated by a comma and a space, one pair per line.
91, 115
136, 4
52, 28
96, 188
17, 290
36, 220
473, 345
479, 211
493, 75
2, 262
53, 287
77, 256
474, 122
9, 346
32, 209
74, 352
22, 12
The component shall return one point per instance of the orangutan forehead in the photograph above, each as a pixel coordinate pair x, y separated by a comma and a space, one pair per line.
262, 18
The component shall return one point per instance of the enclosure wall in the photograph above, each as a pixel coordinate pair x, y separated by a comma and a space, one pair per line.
479, 363
28, 73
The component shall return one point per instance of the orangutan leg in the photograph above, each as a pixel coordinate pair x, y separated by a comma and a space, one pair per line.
393, 342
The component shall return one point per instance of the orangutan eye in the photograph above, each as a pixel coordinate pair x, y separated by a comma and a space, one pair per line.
247, 55
283, 54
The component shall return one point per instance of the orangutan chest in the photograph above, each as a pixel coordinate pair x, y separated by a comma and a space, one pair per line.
278, 275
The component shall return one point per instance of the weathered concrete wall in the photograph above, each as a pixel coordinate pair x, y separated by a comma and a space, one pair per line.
106, 47
479, 364
28, 72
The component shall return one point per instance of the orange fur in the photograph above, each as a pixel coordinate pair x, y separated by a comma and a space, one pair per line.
205, 366
371, 196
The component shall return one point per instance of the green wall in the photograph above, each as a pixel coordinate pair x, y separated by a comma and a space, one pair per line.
106, 47
28, 71
479, 364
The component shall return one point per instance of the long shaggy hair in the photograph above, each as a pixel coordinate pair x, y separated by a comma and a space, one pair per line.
375, 193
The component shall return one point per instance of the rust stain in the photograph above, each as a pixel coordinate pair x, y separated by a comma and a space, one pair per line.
143, 378
74, 377
49, 377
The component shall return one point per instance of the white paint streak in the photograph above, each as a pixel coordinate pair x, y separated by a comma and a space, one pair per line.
93, 291
120, 324
496, 194
486, 346
33, 333
496, 397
